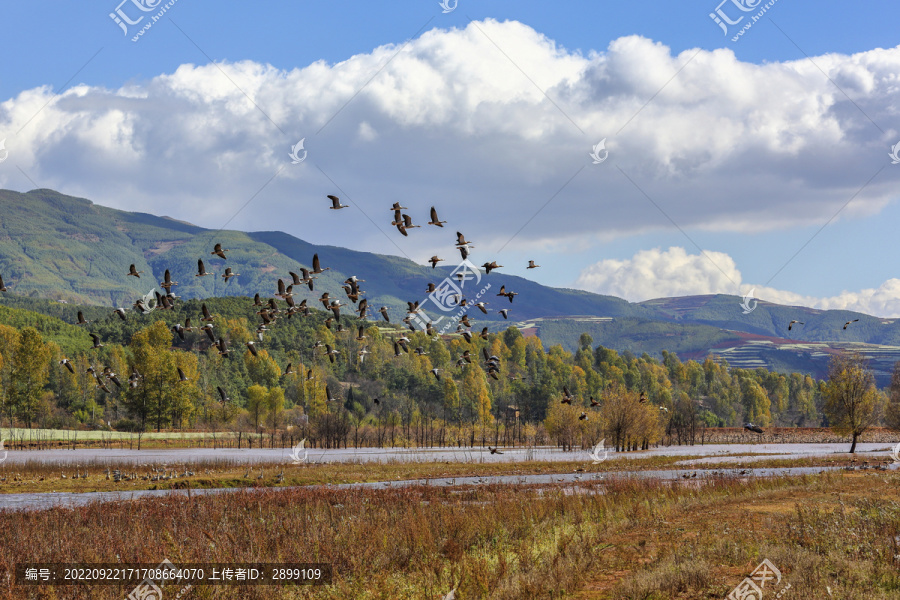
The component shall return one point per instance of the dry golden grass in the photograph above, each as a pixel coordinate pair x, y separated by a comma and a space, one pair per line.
40, 477
638, 539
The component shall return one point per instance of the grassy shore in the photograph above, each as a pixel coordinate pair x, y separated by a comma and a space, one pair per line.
621, 539
38, 477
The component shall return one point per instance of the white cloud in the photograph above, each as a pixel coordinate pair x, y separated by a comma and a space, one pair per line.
670, 273
450, 121
661, 274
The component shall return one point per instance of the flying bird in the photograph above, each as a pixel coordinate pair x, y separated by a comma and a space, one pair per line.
251, 345
753, 428
488, 267
121, 313
282, 290
307, 278
219, 251
201, 270
2, 287
134, 379
509, 295
407, 222
336, 203
531, 265
335, 307
228, 274
791, 324
331, 352
434, 219
132, 271
206, 315
495, 450
504, 312
181, 375
317, 267
397, 207
461, 240
328, 396
583, 417
81, 320
67, 364
96, 339
167, 282
848, 322
223, 347
384, 313
222, 394
436, 373
434, 260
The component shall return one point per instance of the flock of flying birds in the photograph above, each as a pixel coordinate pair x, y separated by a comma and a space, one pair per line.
269, 311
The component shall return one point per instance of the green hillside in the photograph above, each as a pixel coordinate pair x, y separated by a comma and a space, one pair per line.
769, 319
64, 248
58, 252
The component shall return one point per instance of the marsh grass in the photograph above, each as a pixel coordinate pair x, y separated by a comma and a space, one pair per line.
37, 476
835, 531
490, 542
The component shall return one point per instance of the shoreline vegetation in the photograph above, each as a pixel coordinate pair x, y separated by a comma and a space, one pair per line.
103, 476
47, 439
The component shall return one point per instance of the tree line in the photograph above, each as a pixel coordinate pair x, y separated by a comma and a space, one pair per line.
378, 398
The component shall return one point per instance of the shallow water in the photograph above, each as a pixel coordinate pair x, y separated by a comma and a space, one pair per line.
97, 456
32, 501
698, 455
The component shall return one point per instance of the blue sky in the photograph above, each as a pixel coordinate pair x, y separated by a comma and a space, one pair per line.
755, 188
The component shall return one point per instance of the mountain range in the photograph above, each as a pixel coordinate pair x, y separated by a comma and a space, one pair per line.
70, 250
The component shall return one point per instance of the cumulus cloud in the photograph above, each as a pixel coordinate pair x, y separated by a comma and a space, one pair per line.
450, 121
661, 274
670, 273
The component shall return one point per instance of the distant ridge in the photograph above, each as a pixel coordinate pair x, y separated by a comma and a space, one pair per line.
68, 249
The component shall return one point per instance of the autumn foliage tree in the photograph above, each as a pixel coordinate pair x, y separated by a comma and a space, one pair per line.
28, 374
161, 398
852, 402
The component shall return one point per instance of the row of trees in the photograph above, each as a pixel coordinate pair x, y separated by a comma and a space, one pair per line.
641, 399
